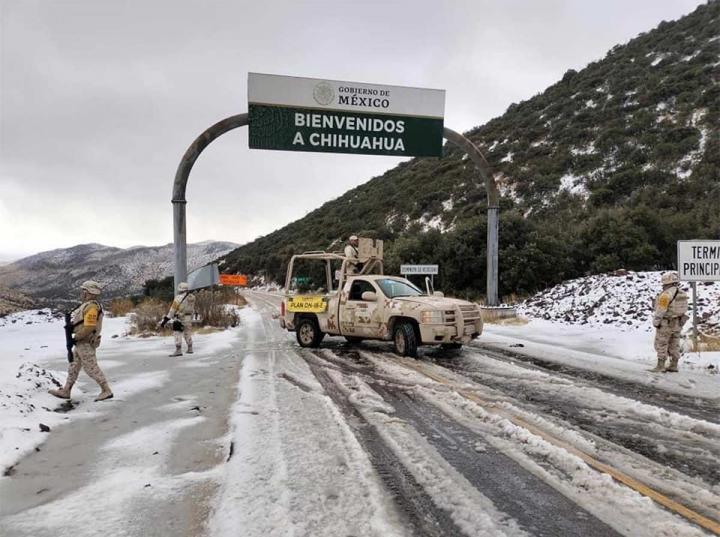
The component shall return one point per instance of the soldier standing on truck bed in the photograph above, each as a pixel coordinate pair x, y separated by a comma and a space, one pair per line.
351, 253
86, 322
671, 307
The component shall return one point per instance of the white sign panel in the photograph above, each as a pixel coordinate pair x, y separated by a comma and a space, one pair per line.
297, 92
206, 276
699, 261
418, 269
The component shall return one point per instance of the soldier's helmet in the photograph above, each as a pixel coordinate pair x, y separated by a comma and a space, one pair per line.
91, 287
183, 286
353, 238
669, 278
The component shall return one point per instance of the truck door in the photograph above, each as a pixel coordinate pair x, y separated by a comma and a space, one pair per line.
360, 316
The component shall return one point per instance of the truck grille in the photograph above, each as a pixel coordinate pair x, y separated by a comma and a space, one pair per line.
470, 314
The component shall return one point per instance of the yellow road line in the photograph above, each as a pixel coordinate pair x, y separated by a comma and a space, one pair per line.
619, 476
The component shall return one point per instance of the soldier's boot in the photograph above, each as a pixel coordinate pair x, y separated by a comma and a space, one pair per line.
189, 349
105, 393
178, 352
62, 393
672, 367
659, 367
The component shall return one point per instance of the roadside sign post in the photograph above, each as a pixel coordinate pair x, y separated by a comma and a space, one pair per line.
340, 117
698, 261
424, 270
694, 314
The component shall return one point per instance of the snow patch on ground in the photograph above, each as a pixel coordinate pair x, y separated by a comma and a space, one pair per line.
123, 472
585, 150
621, 299
33, 359
659, 56
573, 185
297, 468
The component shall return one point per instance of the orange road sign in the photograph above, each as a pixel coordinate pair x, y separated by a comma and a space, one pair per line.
237, 280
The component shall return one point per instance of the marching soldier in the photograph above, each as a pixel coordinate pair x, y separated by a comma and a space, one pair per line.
671, 308
86, 326
181, 313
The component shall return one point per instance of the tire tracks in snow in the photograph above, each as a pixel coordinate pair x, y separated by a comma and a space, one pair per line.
631, 431
696, 407
520, 495
423, 516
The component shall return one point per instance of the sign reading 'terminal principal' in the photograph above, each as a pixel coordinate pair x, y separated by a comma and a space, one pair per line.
699, 261
308, 114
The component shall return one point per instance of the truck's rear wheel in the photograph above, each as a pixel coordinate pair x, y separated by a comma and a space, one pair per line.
308, 333
405, 340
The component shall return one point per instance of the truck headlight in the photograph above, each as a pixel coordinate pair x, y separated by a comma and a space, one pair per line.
431, 317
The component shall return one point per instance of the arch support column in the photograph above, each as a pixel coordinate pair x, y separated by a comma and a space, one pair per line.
493, 210
179, 186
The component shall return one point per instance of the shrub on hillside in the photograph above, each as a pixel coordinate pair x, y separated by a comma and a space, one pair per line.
119, 307
147, 314
213, 307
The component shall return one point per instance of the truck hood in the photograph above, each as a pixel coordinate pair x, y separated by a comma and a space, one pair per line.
434, 302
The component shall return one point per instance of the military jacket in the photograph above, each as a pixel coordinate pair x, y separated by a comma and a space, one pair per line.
87, 319
183, 307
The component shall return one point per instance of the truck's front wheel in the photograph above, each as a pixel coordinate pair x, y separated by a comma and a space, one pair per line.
308, 333
405, 339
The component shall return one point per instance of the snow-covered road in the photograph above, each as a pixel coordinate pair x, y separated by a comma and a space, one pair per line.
353, 440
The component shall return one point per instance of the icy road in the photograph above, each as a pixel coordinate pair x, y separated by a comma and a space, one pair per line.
354, 441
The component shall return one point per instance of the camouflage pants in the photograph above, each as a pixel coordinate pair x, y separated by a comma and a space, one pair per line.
667, 340
186, 333
84, 357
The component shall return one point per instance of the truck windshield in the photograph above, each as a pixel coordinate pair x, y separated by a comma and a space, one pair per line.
395, 288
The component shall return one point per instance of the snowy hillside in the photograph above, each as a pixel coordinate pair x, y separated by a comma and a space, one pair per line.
59, 273
607, 168
621, 299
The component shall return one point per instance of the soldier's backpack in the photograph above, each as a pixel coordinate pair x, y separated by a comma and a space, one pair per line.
679, 304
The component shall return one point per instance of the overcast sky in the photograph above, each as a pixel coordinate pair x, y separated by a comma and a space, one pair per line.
100, 98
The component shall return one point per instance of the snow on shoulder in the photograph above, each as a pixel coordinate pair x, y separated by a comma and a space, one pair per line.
603, 323
622, 299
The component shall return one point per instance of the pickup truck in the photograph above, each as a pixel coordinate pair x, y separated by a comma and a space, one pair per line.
370, 305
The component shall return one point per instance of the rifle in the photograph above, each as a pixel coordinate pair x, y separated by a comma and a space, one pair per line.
69, 327
177, 325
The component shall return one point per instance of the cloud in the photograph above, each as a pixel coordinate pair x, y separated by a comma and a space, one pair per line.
99, 100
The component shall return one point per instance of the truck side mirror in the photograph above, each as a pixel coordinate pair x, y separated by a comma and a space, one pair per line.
369, 296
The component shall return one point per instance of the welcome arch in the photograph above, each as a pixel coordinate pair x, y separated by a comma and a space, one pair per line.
179, 201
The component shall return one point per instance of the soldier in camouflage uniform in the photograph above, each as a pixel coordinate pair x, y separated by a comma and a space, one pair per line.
87, 322
351, 252
670, 315
181, 314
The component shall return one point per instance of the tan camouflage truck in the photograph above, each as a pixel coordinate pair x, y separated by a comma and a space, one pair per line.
326, 294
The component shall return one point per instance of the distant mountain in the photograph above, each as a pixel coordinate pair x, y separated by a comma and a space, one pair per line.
605, 169
58, 274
